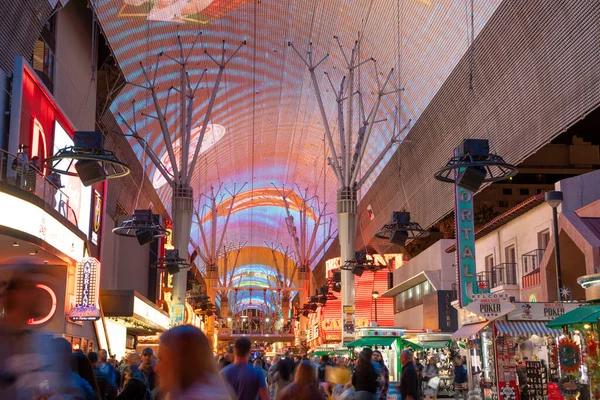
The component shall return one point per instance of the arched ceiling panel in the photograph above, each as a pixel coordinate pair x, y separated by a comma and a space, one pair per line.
267, 129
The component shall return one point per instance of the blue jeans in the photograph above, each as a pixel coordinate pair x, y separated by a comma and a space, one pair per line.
363, 395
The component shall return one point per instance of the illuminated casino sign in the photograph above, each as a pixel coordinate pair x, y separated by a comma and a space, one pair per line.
30, 219
465, 244
96, 218
38, 123
88, 271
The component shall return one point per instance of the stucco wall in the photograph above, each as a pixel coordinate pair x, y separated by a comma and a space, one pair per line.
522, 232
537, 72
410, 319
73, 88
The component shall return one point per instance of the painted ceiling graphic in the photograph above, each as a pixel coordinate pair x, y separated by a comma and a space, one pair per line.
266, 129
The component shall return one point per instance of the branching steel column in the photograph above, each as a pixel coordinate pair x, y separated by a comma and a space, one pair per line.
348, 167
182, 200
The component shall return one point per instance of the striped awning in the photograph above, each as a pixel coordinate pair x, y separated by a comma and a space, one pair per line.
516, 328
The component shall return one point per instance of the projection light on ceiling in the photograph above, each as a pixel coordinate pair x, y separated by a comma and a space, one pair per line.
214, 133
180, 11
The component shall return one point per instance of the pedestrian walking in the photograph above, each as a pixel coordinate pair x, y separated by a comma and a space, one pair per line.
409, 381
305, 385
431, 377
365, 377
383, 389
247, 381
460, 378
186, 369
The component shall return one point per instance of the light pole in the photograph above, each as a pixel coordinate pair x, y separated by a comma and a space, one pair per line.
554, 198
375, 295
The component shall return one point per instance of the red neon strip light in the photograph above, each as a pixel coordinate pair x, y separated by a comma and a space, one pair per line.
52, 309
38, 132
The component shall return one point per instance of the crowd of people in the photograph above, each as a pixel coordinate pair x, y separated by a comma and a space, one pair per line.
40, 368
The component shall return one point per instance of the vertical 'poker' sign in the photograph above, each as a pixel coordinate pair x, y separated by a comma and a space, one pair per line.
465, 243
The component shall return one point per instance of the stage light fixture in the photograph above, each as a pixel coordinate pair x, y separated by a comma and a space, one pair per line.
400, 229
358, 270
474, 164
337, 287
93, 163
143, 225
337, 275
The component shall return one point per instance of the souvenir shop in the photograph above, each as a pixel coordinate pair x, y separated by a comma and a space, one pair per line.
495, 349
441, 348
577, 353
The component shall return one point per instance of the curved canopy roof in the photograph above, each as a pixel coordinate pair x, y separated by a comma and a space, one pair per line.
266, 129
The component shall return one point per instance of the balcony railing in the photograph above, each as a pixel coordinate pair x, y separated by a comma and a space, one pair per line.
531, 261
502, 274
17, 171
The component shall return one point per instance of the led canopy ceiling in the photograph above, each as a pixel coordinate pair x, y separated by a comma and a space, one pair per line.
266, 129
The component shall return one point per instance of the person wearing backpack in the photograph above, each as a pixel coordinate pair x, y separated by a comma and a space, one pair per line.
460, 378
135, 386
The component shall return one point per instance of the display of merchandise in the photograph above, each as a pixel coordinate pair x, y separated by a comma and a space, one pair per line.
537, 380
446, 370
552, 361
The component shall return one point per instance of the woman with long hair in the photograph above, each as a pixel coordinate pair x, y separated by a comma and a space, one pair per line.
382, 391
305, 385
364, 378
82, 366
186, 368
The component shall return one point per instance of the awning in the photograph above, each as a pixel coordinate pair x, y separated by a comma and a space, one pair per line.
318, 353
373, 341
516, 328
434, 344
581, 315
467, 331
383, 341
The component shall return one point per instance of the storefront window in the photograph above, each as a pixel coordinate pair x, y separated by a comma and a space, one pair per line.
413, 296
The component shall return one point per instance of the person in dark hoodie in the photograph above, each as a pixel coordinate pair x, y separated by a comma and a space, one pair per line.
460, 378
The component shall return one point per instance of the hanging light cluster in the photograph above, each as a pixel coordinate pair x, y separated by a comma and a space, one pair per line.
362, 263
400, 229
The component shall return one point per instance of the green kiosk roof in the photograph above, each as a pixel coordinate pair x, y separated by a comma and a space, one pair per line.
381, 341
581, 315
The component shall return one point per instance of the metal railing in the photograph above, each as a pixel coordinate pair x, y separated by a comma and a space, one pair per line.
485, 277
17, 170
531, 261
504, 274
245, 327
501, 274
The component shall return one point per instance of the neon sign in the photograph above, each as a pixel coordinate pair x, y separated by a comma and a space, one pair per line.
52, 311
97, 218
87, 291
37, 136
